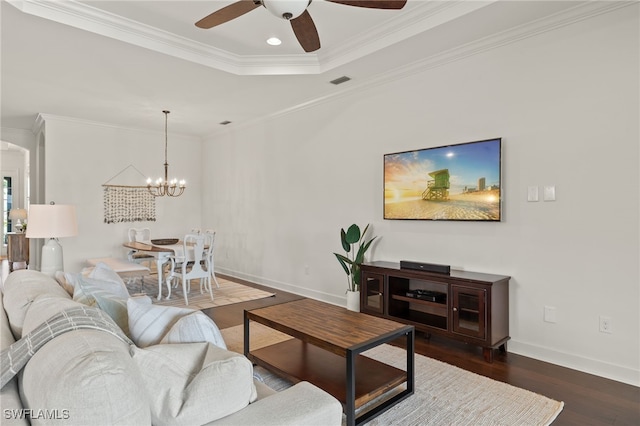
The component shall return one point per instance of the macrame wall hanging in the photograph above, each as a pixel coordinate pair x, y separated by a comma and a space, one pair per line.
127, 203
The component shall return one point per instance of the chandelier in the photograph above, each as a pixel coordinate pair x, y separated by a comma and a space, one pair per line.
171, 188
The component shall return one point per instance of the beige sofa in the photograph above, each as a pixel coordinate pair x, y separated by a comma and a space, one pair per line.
92, 377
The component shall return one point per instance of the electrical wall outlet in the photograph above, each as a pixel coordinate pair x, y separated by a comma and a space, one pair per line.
605, 324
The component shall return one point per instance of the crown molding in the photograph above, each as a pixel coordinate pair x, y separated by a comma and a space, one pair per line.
42, 118
89, 18
561, 19
423, 17
38, 124
8, 132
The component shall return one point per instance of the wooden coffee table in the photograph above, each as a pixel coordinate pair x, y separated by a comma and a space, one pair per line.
325, 351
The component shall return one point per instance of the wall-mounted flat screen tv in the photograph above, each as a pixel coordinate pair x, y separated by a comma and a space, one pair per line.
460, 182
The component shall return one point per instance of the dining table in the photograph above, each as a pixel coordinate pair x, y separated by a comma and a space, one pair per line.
161, 253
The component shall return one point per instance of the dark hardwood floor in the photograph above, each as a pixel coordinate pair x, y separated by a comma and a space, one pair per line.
588, 399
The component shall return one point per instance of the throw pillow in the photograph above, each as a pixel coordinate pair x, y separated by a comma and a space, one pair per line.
109, 296
103, 272
85, 288
198, 382
62, 280
195, 327
116, 308
149, 323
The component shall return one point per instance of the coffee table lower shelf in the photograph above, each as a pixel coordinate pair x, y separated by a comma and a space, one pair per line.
298, 361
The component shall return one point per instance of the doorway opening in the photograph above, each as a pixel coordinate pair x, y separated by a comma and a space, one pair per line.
7, 205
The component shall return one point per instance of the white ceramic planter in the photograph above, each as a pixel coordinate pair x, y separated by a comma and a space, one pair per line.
353, 301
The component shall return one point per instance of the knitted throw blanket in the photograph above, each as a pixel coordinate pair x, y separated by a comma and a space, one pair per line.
16, 356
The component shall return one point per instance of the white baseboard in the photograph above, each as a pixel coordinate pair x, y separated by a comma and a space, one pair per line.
610, 371
290, 288
586, 365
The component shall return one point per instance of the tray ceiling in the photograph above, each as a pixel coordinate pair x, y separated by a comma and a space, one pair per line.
123, 62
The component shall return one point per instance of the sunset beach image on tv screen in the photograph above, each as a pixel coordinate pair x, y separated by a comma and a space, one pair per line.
453, 182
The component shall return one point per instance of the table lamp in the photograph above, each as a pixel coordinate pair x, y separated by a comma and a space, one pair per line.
18, 215
52, 221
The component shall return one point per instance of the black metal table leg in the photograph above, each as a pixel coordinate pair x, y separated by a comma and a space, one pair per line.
409, 333
350, 403
246, 333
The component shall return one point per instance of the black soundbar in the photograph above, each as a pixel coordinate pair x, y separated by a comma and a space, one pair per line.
428, 267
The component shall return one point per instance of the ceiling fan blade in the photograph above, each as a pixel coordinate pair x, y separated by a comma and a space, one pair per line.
227, 13
306, 32
373, 4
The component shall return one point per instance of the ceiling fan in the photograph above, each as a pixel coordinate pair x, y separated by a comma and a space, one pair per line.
294, 11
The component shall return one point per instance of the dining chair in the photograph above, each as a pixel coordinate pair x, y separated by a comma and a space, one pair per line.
193, 254
140, 235
211, 238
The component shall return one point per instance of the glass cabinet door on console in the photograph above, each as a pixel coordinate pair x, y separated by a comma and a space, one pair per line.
472, 307
372, 293
468, 308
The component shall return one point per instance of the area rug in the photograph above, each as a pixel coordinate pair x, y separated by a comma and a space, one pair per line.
261, 336
228, 293
444, 394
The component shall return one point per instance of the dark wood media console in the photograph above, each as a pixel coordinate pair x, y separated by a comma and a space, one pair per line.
468, 306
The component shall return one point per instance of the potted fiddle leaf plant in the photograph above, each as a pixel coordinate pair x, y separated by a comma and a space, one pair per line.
355, 246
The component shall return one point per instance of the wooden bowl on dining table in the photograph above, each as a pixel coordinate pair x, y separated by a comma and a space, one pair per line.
165, 241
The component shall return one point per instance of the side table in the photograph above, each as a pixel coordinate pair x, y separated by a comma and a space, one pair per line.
17, 249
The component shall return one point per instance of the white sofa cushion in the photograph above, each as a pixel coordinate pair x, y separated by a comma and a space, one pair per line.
44, 307
88, 373
301, 405
9, 395
194, 383
20, 290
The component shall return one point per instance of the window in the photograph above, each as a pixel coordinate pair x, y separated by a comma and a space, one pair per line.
7, 203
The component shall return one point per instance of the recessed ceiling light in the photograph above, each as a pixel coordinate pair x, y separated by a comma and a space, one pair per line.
274, 41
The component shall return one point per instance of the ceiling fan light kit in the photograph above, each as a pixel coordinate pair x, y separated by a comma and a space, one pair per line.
295, 11
286, 9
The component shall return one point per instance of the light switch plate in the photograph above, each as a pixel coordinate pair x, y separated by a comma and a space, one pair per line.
549, 193
532, 193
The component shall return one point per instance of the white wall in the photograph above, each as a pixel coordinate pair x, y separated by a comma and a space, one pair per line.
81, 156
565, 103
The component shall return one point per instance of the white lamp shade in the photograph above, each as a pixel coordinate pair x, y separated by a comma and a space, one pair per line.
17, 214
52, 221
